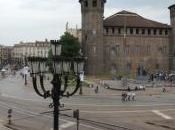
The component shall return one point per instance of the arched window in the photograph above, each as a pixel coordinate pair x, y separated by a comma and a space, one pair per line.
94, 3
128, 67
102, 4
113, 52
86, 3
113, 69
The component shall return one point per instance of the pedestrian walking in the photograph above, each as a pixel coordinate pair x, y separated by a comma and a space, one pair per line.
96, 90
124, 96
164, 90
129, 89
129, 96
133, 96
25, 73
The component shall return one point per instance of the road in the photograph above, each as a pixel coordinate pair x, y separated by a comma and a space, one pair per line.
97, 112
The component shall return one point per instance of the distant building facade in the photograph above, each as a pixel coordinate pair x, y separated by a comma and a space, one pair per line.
0, 54
37, 48
5, 54
125, 42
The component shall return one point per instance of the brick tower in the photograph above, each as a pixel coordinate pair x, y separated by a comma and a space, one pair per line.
172, 40
92, 34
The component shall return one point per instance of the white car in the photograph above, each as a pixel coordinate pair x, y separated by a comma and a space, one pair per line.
140, 87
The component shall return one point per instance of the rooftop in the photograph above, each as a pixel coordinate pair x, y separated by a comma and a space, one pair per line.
131, 19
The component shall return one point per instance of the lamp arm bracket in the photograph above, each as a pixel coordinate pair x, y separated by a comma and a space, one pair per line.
42, 83
34, 79
75, 90
65, 84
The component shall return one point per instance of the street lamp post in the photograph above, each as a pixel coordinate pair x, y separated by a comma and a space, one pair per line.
62, 67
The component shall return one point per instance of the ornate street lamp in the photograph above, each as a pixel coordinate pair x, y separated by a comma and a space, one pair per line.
62, 67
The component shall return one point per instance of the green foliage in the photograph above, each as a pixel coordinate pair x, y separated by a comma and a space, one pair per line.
120, 75
70, 48
70, 45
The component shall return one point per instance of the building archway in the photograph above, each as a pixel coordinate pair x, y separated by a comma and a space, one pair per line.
113, 69
141, 70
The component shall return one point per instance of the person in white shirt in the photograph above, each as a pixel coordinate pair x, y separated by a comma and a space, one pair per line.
25, 73
133, 96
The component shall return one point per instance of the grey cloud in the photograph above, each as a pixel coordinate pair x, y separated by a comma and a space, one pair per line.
31, 20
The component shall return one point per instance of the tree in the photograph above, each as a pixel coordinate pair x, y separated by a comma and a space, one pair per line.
70, 45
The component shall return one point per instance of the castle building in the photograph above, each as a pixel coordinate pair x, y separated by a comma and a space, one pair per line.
125, 42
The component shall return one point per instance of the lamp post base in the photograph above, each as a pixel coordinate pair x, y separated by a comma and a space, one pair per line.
25, 77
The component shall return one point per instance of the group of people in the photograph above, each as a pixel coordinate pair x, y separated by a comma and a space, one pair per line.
128, 96
96, 89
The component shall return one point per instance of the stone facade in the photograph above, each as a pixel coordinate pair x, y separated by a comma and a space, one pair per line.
5, 54
38, 48
172, 37
92, 34
125, 42
125, 54
0, 54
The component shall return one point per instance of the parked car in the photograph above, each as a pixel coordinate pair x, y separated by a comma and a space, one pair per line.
171, 77
140, 87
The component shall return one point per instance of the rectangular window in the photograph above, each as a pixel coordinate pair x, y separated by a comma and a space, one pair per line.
143, 31
160, 32
137, 31
94, 3
102, 4
155, 31
126, 50
119, 30
107, 30
128, 67
113, 30
166, 32
149, 31
86, 3
131, 30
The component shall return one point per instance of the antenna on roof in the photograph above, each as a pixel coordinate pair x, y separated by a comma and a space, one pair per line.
67, 26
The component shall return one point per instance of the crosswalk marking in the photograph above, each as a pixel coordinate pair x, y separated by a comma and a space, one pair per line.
66, 125
157, 112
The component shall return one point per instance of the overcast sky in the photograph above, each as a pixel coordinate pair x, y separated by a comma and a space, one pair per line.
30, 20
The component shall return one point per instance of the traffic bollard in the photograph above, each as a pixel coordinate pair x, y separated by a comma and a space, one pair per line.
9, 116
